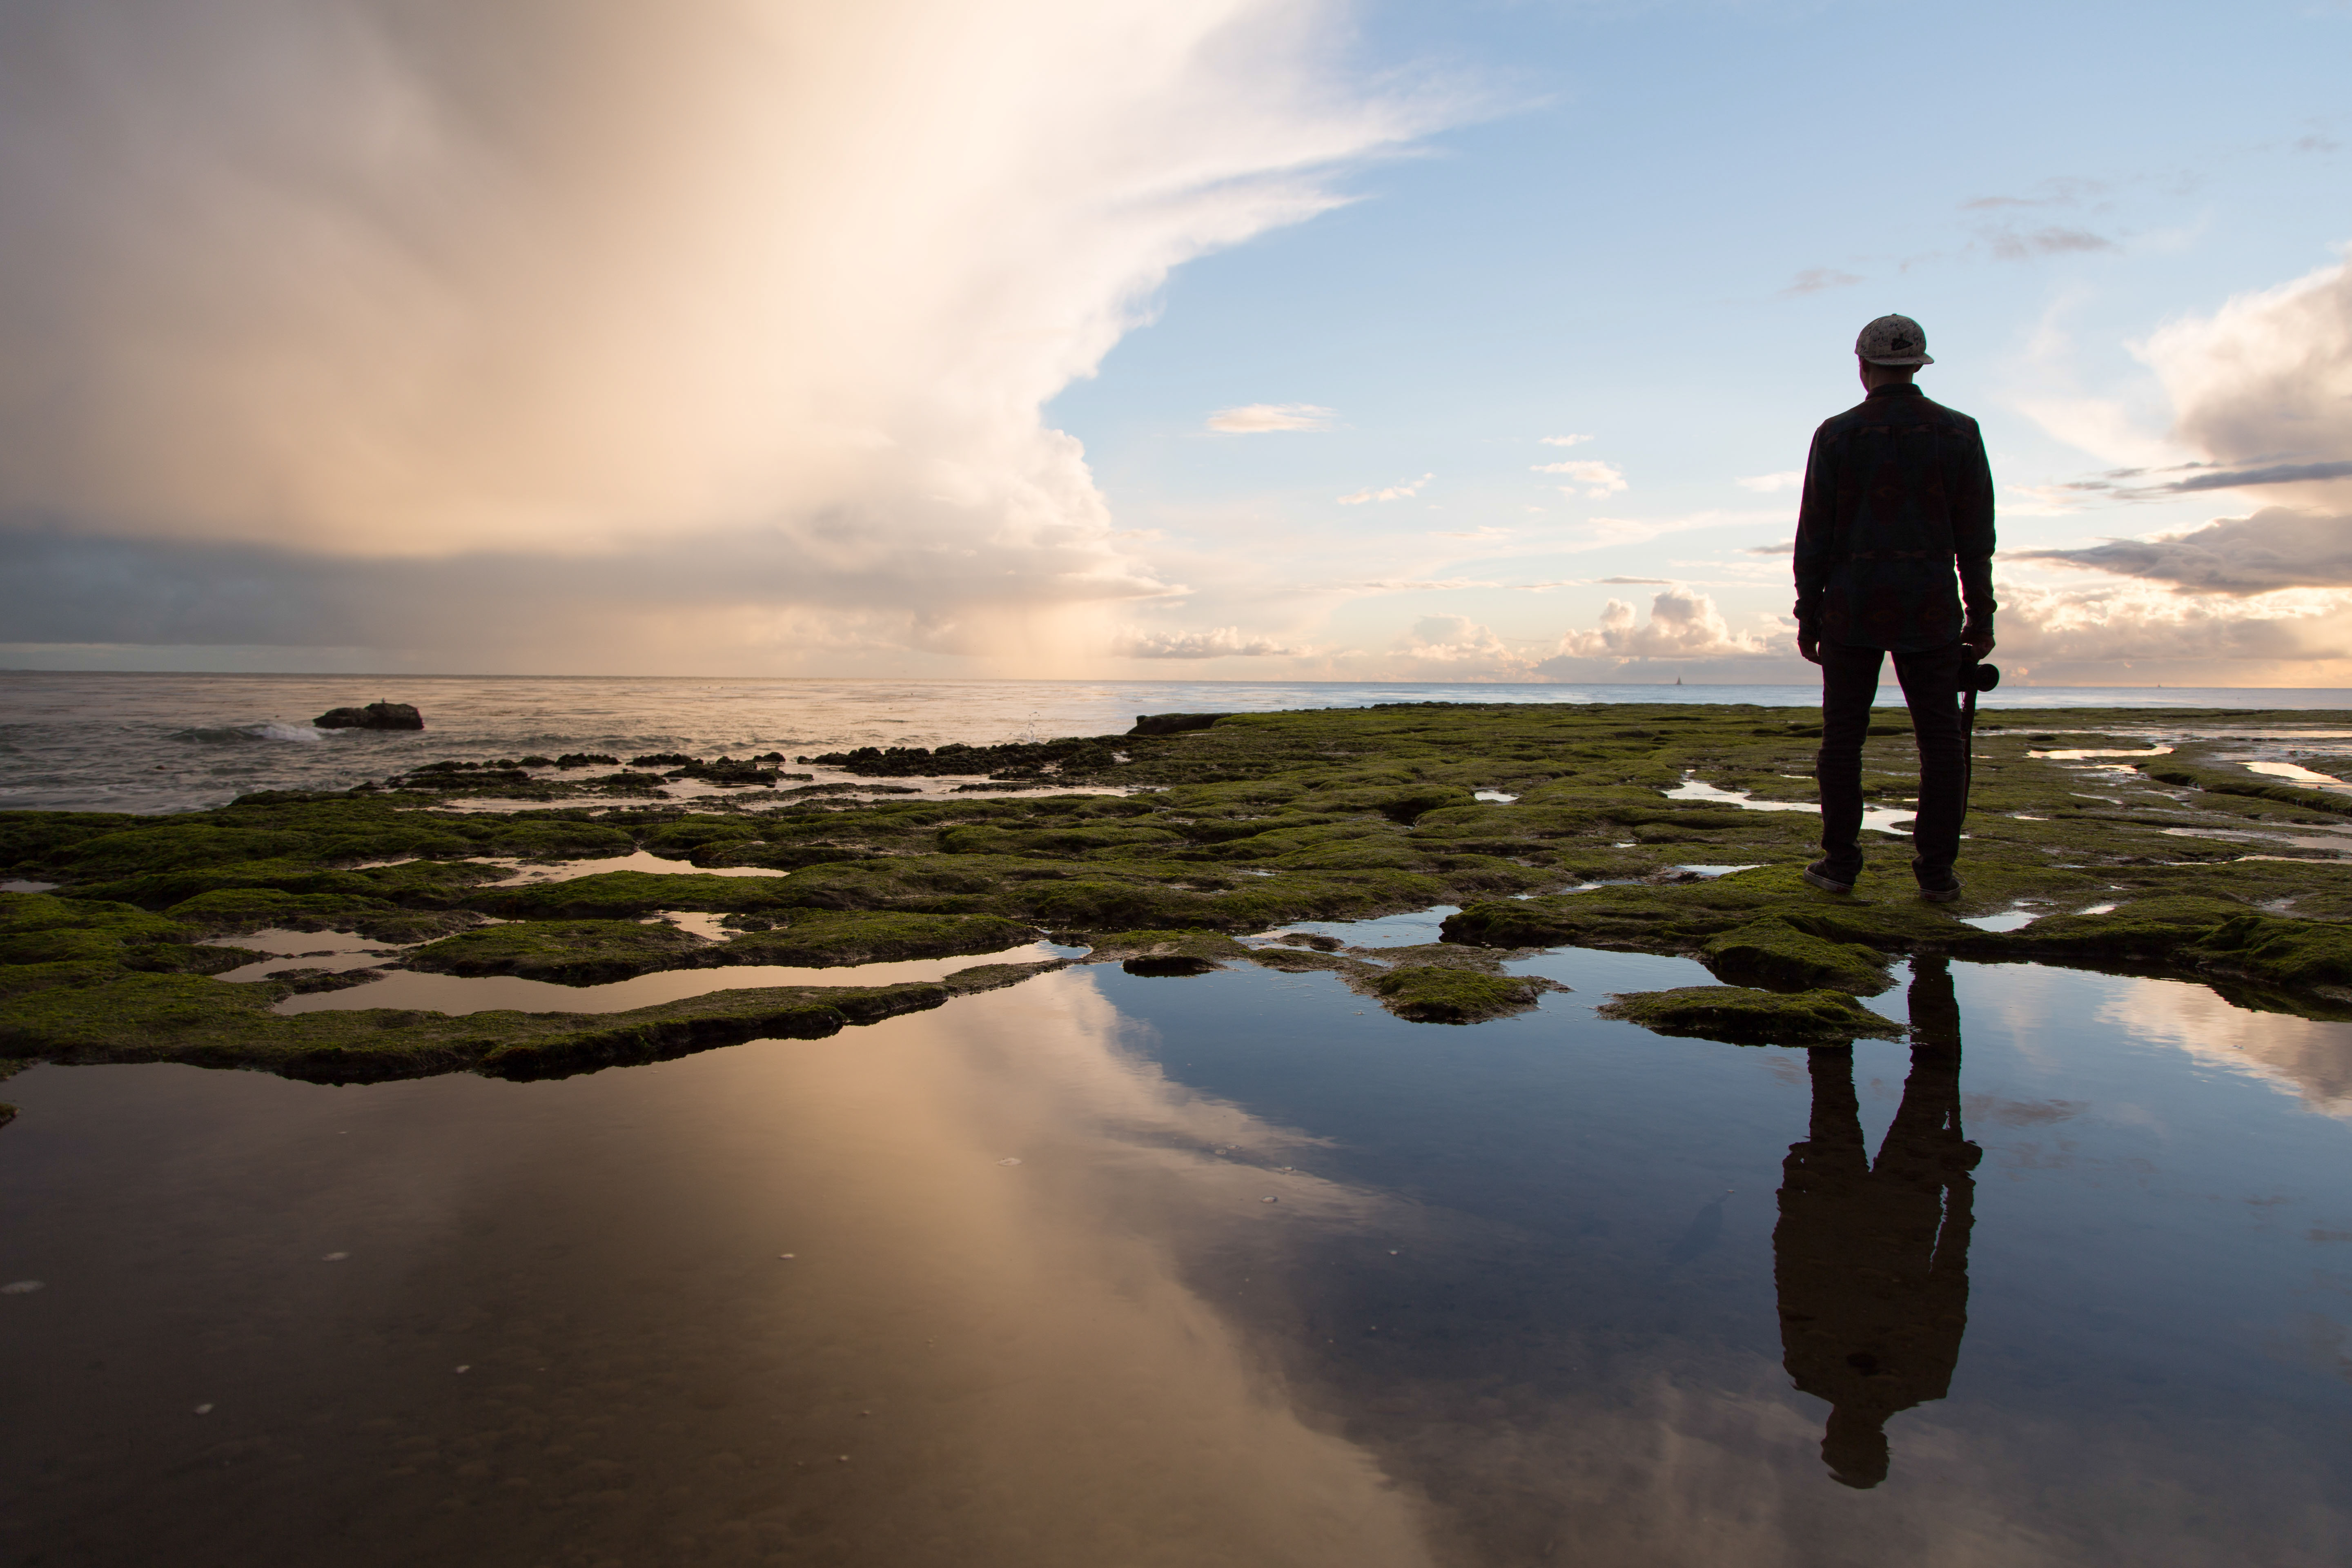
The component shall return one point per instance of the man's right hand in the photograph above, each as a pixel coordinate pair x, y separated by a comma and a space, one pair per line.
1811, 646
1979, 644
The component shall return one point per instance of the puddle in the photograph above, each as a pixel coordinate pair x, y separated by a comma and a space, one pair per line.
1496, 795
2337, 840
2082, 753
1713, 871
2298, 774
2008, 920
1875, 818
460, 994
1384, 930
527, 871
999, 1285
342, 950
702, 923
1059, 1352
21, 886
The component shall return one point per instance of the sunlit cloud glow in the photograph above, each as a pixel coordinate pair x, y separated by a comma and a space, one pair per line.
1394, 492
1258, 418
730, 320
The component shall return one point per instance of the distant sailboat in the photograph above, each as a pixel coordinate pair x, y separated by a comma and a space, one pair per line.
1678, 681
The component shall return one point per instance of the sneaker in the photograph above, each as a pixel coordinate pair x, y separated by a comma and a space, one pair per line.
1943, 893
1825, 876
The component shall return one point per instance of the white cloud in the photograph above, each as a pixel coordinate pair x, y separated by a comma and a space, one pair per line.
754, 305
1601, 532
1220, 642
1478, 535
1772, 484
1460, 641
1813, 280
1255, 418
1394, 492
1565, 440
1599, 479
2266, 381
1683, 624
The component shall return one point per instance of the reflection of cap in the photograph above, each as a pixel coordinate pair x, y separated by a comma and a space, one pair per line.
1893, 339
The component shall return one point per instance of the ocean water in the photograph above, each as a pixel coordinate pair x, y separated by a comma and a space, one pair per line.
1112, 1268
174, 742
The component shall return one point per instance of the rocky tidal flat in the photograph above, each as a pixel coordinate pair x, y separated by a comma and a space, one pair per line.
1171, 850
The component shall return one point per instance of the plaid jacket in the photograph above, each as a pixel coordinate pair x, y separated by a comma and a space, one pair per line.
1897, 491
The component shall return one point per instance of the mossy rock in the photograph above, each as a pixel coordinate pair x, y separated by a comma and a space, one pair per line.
556, 839
626, 895
565, 952
2250, 786
996, 976
1445, 994
823, 938
235, 910
1740, 1015
1260, 821
2301, 955
2146, 931
1300, 960
1774, 955
40, 930
1166, 953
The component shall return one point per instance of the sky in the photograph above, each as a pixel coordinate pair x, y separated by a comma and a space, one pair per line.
1195, 338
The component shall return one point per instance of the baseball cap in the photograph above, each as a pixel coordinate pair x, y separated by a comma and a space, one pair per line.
1893, 339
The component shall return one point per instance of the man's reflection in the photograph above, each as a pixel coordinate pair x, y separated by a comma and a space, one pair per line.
1872, 1261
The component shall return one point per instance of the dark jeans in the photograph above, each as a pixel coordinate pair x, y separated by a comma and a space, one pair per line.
1931, 687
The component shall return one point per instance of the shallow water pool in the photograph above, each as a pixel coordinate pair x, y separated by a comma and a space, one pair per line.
2064, 1280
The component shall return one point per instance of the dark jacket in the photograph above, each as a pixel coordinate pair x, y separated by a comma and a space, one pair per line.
1897, 491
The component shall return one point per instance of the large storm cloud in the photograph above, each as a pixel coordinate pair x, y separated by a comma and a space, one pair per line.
594, 327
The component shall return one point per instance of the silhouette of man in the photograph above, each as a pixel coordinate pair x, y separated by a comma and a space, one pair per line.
1897, 494
1872, 1262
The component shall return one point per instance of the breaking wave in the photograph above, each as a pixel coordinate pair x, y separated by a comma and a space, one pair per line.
250, 735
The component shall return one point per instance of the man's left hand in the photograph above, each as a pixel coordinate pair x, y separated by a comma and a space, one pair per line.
1979, 644
1810, 646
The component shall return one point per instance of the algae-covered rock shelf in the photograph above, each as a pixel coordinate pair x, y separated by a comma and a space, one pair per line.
1546, 825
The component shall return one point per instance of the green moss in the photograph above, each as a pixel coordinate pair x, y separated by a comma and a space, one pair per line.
565, 952
1166, 953
820, 939
555, 839
996, 976
140, 1017
626, 895
2298, 954
1739, 1015
1435, 994
2145, 930
1255, 822
1775, 955
2252, 785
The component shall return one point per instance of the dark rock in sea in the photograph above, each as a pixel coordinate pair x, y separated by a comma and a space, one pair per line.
1173, 723
587, 760
374, 716
664, 759
535, 761
723, 771
1029, 762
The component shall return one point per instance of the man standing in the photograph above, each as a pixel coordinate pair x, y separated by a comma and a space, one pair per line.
1897, 494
